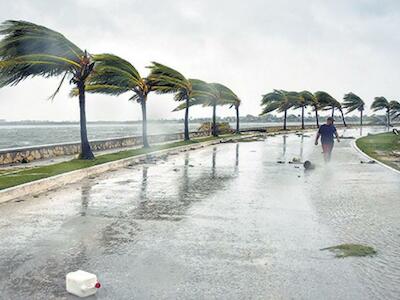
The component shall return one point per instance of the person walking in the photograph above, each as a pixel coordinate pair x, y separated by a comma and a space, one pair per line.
327, 132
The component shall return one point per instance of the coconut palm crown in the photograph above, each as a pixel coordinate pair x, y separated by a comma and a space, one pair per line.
213, 94
30, 50
165, 80
115, 76
353, 102
312, 101
327, 102
381, 103
280, 101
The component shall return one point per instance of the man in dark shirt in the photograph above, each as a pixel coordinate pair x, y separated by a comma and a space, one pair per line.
327, 132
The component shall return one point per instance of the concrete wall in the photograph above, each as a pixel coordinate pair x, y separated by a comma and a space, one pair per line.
18, 155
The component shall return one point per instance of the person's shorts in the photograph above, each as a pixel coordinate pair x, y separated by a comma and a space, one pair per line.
327, 148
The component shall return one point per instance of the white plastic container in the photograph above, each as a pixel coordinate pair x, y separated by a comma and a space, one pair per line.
82, 284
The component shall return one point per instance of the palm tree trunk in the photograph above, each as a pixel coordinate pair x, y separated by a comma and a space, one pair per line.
237, 119
388, 117
86, 151
316, 116
344, 121
214, 120
361, 118
144, 122
302, 117
333, 111
284, 120
187, 137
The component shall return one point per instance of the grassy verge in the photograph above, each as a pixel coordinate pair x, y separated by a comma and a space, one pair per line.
10, 178
382, 147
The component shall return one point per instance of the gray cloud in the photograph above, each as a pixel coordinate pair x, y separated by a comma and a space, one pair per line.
253, 47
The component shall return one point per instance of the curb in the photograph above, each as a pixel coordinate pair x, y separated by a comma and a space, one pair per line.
354, 145
53, 182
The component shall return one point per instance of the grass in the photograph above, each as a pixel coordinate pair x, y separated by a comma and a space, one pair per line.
10, 178
346, 250
381, 147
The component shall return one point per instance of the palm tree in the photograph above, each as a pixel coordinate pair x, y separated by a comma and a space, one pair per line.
29, 50
224, 96
395, 110
312, 101
382, 103
279, 100
327, 102
236, 104
116, 76
338, 105
212, 94
306, 98
165, 80
353, 102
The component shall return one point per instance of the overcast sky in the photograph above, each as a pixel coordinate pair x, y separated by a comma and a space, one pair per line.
251, 46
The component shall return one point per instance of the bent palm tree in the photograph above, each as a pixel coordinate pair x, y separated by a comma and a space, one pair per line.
339, 107
382, 103
353, 102
116, 76
326, 101
236, 104
29, 50
279, 100
212, 94
395, 110
166, 80
224, 96
312, 101
305, 98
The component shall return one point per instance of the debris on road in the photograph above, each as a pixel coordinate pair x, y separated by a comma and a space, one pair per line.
346, 250
368, 162
347, 137
295, 160
308, 165
82, 284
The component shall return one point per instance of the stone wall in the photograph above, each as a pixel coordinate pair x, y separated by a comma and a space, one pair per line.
24, 155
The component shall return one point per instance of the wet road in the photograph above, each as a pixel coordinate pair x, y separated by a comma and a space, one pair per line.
223, 222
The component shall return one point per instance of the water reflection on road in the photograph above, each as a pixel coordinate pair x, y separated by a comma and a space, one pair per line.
224, 221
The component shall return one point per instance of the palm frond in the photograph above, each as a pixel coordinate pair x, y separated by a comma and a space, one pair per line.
353, 102
380, 103
163, 80
29, 50
279, 100
101, 89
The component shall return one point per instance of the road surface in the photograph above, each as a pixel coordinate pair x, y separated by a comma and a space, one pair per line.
223, 222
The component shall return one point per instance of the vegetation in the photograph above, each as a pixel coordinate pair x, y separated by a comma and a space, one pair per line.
115, 76
222, 128
346, 250
166, 80
214, 94
279, 100
381, 103
307, 98
384, 147
352, 102
29, 50
327, 102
